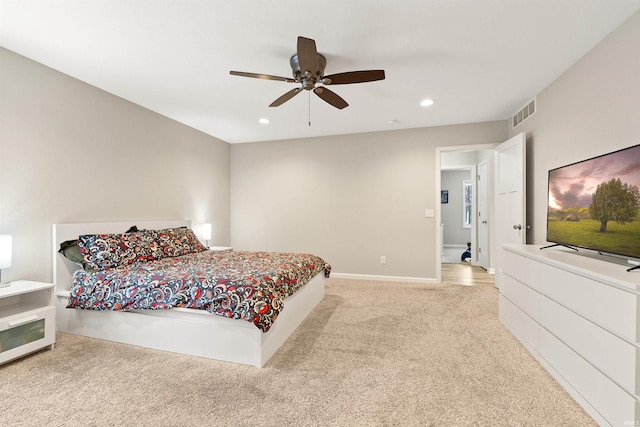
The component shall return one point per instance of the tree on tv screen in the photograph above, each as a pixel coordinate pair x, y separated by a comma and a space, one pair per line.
614, 201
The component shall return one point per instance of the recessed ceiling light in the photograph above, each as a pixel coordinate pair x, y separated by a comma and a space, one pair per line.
427, 102
264, 121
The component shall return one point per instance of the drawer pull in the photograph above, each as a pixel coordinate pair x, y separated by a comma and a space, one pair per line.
23, 320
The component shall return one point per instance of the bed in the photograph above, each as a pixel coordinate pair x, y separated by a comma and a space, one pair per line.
213, 332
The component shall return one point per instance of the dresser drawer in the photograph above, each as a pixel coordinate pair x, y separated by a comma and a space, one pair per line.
521, 295
521, 325
26, 332
521, 268
613, 356
607, 306
617, 406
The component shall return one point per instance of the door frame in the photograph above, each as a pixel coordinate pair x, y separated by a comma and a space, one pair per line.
486, 244
438, 213
472, 169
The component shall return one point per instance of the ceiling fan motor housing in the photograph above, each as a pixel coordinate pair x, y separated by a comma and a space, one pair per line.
308, 78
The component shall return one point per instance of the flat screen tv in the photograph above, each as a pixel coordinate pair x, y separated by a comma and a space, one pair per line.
595, 204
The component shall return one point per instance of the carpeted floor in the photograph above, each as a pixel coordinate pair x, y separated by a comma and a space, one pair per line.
371, 354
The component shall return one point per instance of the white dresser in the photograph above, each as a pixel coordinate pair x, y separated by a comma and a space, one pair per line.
579, 316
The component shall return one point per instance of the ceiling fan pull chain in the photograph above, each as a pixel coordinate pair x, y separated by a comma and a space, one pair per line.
309, 108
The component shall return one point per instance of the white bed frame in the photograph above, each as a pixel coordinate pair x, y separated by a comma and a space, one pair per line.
179, 330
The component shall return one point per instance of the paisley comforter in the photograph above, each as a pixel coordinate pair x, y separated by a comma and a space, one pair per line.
234, 284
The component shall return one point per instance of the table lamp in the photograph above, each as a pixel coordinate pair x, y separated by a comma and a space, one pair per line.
206, 233
5, 255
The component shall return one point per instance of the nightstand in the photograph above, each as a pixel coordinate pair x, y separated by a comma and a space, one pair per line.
27, 318
221, 248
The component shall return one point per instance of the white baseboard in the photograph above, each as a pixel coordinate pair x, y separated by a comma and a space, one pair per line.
383, 278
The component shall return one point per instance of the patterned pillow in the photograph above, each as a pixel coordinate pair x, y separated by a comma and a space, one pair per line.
71, 251
102, 251
178, 241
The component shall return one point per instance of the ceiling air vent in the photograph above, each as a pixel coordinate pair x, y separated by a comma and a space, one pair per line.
526, 112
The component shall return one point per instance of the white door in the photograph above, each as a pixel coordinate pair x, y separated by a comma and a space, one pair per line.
483, 216
510, 196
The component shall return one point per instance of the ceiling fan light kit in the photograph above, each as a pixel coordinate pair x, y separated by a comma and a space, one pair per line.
307, 66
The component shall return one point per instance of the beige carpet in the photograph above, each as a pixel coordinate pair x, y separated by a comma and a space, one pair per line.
371, 354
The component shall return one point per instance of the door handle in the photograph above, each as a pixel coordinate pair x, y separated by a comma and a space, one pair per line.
517, 227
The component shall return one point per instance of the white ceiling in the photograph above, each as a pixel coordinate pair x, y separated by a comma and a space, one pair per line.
481, 60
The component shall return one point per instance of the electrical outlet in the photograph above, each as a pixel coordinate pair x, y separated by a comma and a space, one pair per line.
383, 259
429, 213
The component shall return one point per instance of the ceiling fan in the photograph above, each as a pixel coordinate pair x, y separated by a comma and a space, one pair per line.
308, 71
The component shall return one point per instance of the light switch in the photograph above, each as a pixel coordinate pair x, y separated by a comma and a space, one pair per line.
429, 213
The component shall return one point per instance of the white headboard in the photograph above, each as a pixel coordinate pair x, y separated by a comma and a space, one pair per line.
63, 269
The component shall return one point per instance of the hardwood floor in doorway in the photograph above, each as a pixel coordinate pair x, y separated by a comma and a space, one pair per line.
466, 274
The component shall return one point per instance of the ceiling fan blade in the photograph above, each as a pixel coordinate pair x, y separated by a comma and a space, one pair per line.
330, 97
262, 76
287, 96
353, 77
307, 55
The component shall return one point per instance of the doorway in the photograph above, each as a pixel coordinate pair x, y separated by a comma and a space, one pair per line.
470, 158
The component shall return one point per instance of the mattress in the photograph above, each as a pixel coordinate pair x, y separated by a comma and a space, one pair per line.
235, 284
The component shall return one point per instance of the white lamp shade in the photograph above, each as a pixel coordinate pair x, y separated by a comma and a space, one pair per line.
5, 251
206, 231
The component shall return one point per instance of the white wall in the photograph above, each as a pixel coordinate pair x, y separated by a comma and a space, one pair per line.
589, 110
70, 152
348, 198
